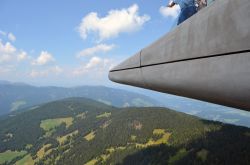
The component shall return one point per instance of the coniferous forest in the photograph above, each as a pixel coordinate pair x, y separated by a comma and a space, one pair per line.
83, 131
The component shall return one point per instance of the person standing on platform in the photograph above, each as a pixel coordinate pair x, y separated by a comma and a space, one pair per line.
188, 9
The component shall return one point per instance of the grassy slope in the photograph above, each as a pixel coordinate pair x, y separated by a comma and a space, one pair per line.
8, 156
138, 135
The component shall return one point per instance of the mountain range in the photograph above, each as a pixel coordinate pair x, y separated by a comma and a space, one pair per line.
20, 96
16, 96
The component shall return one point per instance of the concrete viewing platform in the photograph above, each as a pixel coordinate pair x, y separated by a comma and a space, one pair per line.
206, 57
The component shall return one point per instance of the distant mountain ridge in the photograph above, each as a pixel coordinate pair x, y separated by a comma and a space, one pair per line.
15, 96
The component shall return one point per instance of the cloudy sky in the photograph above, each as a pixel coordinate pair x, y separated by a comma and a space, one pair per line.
69, 43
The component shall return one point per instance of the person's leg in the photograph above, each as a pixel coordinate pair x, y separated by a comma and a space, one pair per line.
191, 11
181, 17
186, 13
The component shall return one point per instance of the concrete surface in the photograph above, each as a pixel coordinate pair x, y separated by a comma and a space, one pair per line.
207, 58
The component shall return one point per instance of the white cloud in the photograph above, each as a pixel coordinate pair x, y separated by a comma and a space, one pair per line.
2, 33
116, 22
34, 73
101, 48
96, 65
43, 59
6, 69
170, 12
6, 52
11, 37
6, 48
9, 53
55, 70
22, 56
95, 61
5, 58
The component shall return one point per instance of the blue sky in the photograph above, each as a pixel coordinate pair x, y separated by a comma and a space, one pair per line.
69, 43
74, 43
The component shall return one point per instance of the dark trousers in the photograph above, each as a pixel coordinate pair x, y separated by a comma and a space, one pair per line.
186, 13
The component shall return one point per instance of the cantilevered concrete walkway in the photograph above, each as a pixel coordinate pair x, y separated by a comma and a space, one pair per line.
206, 58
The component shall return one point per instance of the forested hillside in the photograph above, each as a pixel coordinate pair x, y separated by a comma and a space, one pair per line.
16, 96
82, 131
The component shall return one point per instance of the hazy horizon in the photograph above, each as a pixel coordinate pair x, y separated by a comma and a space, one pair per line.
186, 105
